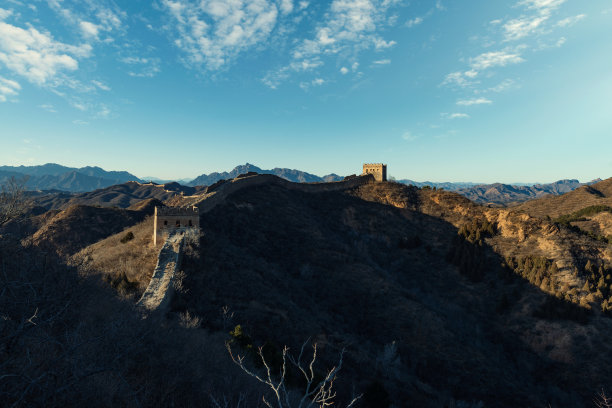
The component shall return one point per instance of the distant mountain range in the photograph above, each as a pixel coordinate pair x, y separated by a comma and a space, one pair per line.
53, 176
78, 180
296, 176
505, 194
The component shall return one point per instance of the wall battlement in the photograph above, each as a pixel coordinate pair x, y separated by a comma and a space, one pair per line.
169, 219
176, 211
378, 170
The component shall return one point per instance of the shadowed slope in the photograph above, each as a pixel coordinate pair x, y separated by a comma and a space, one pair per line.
373, 278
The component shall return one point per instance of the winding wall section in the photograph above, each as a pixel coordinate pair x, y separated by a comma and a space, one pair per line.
160, 289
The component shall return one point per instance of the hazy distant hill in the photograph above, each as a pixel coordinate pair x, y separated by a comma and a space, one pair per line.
505, 194
53, 176
121, 195
288, 174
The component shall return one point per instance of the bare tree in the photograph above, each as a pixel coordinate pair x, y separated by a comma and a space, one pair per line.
316, 394
602, 400
12, 199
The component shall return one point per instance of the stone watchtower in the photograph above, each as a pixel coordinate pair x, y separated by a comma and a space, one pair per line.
378, 170
169, 219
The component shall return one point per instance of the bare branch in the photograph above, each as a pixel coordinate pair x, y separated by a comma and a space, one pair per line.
321, 394
12, 200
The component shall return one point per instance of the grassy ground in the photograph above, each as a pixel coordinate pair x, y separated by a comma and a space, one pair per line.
127, 264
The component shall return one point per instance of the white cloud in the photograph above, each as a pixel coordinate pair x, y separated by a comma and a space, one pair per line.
481, 63
414, 22
541, 5
570, 21
212, 33
380, 44
80, 122
502, 86
349, 27
286, 6
455, 115
344, 70
80, 106
314, 82
89, 30
461, 79
9, 88
409, 136
36, 55
523, 26
92, 18
103, 113
48, 107
143, 67
382, 62
101, 85
526, 25
4, 14
495, 59
475, 101
303, 5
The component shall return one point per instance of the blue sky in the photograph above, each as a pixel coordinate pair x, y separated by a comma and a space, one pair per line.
475, 90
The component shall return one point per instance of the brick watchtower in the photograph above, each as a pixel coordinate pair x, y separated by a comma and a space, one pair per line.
378, 170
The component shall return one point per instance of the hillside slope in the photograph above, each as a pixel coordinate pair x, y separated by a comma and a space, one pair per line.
120, 195
585, 196
431, 318
66, 232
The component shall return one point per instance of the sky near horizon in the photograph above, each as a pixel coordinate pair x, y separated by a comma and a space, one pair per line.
475, 90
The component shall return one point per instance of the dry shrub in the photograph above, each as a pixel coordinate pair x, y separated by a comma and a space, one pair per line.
127, 264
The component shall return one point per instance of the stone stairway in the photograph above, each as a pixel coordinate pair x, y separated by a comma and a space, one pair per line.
159, 292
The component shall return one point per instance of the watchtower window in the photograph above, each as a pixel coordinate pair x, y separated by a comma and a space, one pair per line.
178, 223
190, 223
165, 222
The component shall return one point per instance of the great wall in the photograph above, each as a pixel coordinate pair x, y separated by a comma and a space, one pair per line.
182, 217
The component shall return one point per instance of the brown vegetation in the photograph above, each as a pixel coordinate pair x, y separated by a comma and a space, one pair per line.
126, 263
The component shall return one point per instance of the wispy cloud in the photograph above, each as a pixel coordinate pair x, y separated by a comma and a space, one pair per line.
315, 82
409, 136
539, 12
35, 55
48, 107
8, 88
475, 101
4, 14
482, 62
382, 62
92, 18
414, 22
454, 115
101, 85
496, 59
212, 33
570, 21
523, 26
142, 67
349, 27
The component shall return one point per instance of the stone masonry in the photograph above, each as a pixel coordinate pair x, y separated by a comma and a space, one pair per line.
170, 219
378, 170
